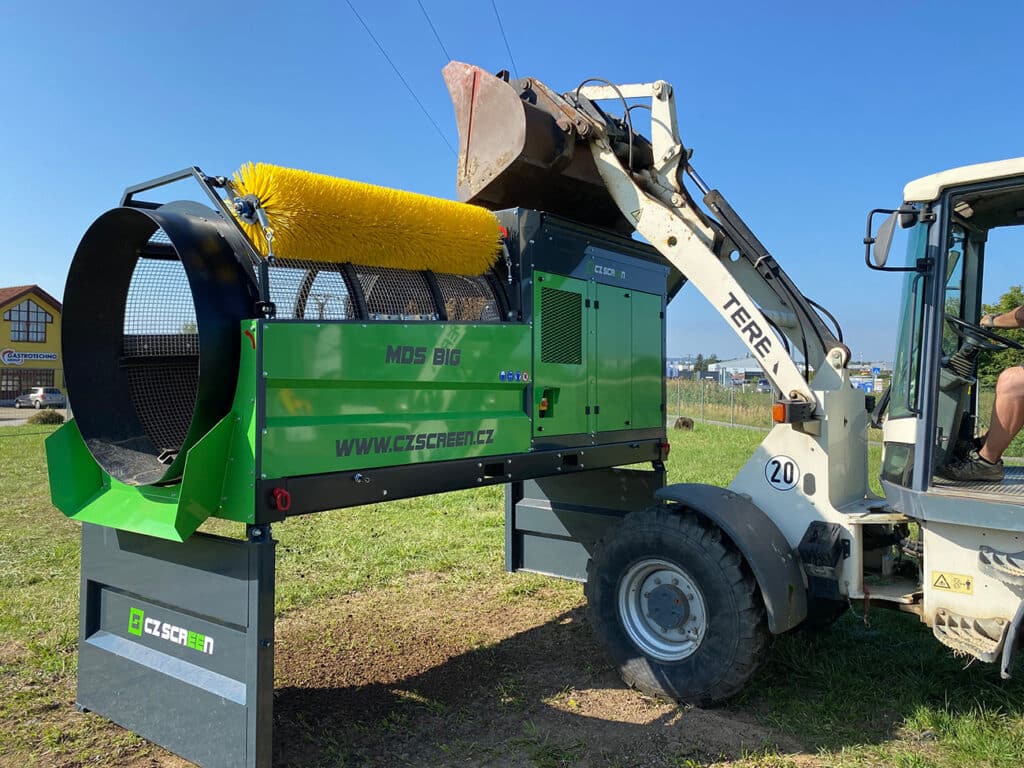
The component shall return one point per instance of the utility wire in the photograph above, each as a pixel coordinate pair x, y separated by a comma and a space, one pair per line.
433, 29
405, 82
508, 48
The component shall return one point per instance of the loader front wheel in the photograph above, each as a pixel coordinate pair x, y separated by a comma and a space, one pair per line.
676, 607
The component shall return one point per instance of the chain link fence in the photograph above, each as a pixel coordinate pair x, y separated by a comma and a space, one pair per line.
708, 401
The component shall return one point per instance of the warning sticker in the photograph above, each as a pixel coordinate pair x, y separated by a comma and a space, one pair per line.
953, 582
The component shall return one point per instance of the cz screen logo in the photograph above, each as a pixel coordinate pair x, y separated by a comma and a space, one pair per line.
138, 625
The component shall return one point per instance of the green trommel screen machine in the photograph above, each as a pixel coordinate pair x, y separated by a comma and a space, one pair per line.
298, 343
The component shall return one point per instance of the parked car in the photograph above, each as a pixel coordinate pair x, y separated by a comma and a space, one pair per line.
39, 398
764, 386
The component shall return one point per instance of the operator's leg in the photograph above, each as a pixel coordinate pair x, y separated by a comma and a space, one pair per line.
1007, 414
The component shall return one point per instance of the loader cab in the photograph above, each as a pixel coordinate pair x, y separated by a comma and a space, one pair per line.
958, 226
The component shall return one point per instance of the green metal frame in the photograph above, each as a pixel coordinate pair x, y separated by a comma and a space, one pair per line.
218, 479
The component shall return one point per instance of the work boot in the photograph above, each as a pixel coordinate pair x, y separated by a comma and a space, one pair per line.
972, 467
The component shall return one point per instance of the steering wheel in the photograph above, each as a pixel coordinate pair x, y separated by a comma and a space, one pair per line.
981, 337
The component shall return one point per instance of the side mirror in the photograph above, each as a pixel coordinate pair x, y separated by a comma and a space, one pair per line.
883, 240
877, 245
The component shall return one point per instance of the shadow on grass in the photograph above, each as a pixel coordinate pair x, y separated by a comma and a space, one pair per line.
547, 696
543, 697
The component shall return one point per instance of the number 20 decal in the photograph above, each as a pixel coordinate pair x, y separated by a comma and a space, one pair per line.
782, 473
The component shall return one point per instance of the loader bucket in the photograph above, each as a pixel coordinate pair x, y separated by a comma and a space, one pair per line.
518, 148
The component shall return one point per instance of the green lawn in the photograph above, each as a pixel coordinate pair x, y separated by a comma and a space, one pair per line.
883, 694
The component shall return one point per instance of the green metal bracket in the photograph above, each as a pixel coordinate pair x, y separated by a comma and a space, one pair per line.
217, 480
84, 492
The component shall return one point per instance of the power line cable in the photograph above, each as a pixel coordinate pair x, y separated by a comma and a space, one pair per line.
433, 29
398, 73
508, 48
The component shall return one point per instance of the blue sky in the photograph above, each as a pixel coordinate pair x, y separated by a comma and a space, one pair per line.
805, 115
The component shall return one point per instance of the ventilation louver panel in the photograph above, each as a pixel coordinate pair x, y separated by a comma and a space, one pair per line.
561, 334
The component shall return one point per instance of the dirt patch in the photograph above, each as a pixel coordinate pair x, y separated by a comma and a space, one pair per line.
441, 676
11, 653
438, 673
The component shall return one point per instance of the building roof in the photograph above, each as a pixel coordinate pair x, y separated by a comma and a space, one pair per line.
9, 295
929, 188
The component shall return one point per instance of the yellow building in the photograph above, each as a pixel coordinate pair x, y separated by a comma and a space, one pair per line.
29, 341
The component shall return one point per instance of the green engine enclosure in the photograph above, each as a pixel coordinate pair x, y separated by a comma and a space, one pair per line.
598, 353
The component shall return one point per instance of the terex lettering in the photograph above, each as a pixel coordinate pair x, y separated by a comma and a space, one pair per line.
740, 316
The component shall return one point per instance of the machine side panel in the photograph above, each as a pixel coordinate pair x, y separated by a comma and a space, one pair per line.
176, 642
648, 356
342, 396
612, 358
561, 355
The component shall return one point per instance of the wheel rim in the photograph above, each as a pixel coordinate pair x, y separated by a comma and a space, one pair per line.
662, 609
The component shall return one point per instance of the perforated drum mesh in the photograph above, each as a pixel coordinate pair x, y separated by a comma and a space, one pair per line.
160, 349
468, 299
308, 291
327, 297
396, 294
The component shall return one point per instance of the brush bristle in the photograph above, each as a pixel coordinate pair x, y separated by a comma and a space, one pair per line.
323, 218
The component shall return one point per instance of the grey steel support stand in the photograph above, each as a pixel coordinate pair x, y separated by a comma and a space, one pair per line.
553, 523
176, 641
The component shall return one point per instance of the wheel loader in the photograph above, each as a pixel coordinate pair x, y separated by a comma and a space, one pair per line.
686, 593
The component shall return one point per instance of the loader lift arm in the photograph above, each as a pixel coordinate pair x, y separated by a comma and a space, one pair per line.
520, 143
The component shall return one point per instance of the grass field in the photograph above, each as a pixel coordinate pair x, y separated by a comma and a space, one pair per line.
401, 642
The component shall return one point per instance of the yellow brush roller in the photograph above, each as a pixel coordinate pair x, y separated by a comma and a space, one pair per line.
323, 218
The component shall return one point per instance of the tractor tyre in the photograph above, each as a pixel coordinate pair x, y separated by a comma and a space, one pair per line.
677, 607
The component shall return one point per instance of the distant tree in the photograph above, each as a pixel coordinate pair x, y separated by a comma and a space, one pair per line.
993, 363
700, 365
712, 359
